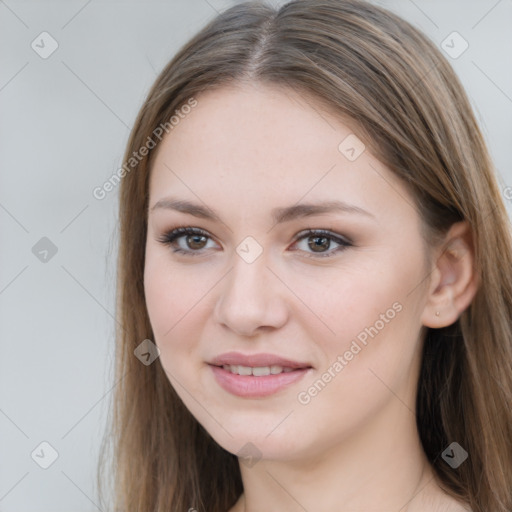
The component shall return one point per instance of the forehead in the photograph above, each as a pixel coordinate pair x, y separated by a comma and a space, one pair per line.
255, 124
262, 144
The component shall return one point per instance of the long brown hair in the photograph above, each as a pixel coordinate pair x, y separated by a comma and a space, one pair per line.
405, 102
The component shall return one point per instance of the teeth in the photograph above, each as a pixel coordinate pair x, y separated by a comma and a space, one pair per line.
241, 370
260, 371
257, 371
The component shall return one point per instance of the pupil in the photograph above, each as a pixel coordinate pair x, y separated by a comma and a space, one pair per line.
317, 245
194, 240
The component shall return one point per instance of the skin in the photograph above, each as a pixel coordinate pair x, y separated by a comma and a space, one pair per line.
243, 151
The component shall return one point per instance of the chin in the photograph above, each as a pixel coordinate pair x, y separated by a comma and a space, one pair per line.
249, 439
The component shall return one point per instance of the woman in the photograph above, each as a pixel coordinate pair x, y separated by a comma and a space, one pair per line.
315, 281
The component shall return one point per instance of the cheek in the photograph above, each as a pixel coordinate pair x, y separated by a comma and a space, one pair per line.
368, 364
342, 302
171, 292
170, 298
367, 313
177, 300
168, 301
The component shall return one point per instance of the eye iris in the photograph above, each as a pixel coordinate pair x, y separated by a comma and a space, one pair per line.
315, 245
192, 239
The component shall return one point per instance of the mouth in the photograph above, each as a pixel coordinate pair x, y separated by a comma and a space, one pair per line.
257, 375
257, 361
257, 371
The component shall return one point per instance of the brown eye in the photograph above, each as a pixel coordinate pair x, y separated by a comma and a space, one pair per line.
194, 240
320, 241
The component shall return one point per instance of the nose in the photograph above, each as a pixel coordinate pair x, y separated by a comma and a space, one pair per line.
251, 298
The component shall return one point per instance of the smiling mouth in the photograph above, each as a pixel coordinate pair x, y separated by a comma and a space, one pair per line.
256, 381
258, 371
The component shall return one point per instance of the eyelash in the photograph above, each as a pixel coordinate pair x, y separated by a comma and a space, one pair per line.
170, 238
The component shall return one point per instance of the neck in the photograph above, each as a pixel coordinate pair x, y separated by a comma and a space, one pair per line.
382, 466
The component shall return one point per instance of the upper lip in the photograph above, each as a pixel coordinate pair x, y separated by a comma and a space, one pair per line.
256, 360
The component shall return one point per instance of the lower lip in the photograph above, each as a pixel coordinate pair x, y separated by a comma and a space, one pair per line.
250, 386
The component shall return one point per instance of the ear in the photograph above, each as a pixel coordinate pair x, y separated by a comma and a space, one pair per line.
453, 282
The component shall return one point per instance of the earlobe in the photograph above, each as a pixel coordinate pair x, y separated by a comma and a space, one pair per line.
453, 282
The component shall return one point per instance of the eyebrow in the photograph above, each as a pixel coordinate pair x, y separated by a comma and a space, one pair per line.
279, 215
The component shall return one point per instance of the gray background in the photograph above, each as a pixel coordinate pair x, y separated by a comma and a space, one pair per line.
65, 122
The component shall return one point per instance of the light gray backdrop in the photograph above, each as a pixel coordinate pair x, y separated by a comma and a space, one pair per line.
66, 112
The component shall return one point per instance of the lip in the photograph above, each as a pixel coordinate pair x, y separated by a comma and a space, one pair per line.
249, 386
255, 360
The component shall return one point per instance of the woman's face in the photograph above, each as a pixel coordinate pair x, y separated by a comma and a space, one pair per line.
291, 341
